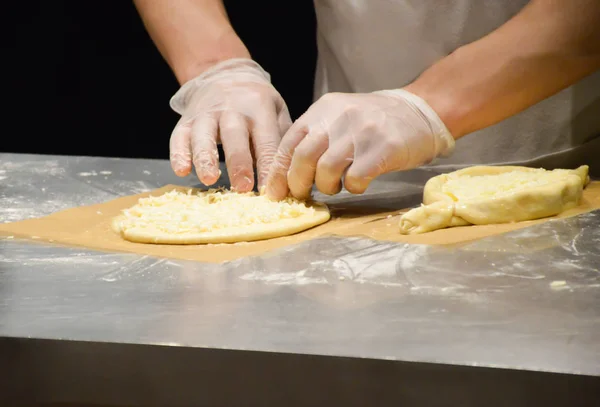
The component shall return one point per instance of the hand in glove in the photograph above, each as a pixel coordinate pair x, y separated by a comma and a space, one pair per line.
356, 137
235, 104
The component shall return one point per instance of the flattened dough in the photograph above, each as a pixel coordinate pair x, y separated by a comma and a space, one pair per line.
215, 216
484, 195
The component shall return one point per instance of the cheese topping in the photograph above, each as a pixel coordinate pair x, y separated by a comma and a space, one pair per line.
466, 187
178, 212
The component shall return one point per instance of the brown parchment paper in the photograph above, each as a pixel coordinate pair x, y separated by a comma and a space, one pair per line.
89, 227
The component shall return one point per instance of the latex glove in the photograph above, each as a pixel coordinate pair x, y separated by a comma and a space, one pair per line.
235, 104
356, 137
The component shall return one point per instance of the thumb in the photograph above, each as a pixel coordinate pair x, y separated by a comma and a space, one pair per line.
362, 172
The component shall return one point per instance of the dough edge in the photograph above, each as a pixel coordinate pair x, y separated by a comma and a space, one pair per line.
251, 233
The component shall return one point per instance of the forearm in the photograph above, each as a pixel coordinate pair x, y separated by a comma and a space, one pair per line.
547, 47
191, 35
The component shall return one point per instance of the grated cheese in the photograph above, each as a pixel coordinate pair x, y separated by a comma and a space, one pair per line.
178, 212
465, 187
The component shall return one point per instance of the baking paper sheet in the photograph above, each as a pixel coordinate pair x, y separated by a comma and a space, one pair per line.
89, 227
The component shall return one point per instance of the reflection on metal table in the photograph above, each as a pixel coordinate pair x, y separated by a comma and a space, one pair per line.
507, 319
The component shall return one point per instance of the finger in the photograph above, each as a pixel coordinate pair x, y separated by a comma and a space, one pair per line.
364, 170
234, 131
332, 165
266, 135
301, 174
276, 184
180, 148
284, 120
374, 157
204, 149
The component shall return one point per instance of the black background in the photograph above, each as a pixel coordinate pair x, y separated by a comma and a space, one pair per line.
84, 78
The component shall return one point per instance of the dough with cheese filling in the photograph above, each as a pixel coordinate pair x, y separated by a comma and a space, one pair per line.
483, 195
215, 216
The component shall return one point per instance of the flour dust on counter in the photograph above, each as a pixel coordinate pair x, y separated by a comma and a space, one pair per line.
93, 173
36, 186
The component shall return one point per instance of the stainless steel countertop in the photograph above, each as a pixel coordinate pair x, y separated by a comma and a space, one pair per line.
488, 303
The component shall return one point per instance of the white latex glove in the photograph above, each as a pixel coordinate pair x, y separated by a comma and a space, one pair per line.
235, 104
356, 137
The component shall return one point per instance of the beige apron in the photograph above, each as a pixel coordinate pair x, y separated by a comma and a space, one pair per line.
368, 45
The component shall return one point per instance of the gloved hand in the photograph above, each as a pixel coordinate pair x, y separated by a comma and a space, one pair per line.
359, 135
235, 104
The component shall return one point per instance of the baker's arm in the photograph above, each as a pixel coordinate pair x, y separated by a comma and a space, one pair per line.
548, 46
225, 95
192, 35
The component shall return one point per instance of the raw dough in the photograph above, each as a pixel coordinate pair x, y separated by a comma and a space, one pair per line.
215, 216
485, 195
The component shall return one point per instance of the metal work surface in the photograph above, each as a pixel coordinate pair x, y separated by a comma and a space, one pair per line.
527, 300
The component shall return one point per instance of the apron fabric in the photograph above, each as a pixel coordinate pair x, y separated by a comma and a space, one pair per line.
369, 45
